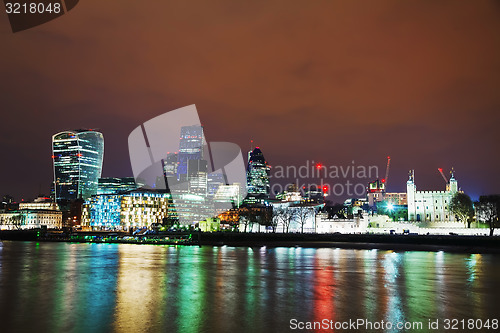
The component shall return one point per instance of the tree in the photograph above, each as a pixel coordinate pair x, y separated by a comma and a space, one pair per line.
169, 221
461, 206
284, 216
245, 217
18, 220
249, 216
265, 217
487, 209
303, 213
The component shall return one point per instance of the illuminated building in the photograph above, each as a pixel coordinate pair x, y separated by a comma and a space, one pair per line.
315, 194
291, 194
77, 157
325, 225
190, 148
230, 218
258, 172
226, 198
139, 208
214, 180
42, 212
170, 165
210, 225
39, 203
430, 205
228, 193
375, 191
396, 198
197, 177
116, 185
31, 218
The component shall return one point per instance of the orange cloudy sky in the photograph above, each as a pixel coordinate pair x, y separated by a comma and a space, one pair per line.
330, 81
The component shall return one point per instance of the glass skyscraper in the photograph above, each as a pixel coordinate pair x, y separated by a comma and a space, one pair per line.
190, 148
258, 171
77, 157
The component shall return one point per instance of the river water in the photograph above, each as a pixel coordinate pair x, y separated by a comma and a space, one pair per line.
64, 287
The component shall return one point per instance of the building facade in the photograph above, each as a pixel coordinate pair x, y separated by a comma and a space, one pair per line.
77, 157
325, 225
116, 185
42, 212
430, 205
190, 148
30, 219
258, 172
123, 211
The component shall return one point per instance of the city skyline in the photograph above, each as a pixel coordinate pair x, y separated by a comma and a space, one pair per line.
347, 82
318, 171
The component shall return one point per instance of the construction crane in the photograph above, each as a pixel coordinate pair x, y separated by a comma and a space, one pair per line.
442, 174
385, 180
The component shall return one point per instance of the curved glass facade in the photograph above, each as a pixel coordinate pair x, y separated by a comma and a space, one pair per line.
77, 157
258, 173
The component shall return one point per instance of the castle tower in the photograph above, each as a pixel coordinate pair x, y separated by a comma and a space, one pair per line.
411, 190
453, 182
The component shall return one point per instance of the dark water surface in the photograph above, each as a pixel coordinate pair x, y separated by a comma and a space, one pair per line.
63, 287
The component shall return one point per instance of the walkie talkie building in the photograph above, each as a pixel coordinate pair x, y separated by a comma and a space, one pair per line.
77, 157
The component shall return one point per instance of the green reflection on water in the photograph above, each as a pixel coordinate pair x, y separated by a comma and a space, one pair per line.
420, 286
191, 291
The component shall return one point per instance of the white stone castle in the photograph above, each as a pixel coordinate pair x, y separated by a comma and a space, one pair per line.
431, 206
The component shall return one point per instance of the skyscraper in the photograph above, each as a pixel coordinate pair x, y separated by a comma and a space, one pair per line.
77, 157
190, 148
258, 172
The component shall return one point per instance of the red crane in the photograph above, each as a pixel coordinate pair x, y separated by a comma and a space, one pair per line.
385, 180
442, 174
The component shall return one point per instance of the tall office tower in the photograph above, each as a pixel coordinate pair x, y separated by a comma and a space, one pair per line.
77, 157
197, 177
190, 148
214, 180
258, 172
170, 165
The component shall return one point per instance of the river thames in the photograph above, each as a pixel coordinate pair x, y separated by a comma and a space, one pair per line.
65, 287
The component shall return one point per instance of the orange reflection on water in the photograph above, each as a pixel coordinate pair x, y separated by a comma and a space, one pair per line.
324, 289
137, 302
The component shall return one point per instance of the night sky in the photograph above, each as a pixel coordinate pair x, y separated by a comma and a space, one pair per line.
329, 81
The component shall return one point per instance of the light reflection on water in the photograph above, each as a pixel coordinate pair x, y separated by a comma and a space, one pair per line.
61, 287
